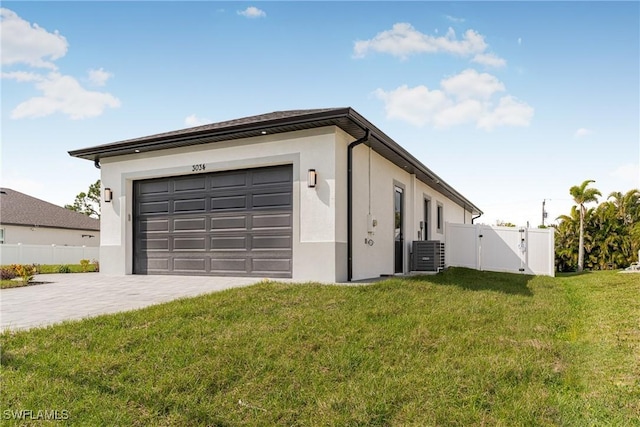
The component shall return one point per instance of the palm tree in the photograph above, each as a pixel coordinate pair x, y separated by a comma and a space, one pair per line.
581, 195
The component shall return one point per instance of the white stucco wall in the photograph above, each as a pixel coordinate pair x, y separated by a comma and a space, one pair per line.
377, 190
314, 227
14, 234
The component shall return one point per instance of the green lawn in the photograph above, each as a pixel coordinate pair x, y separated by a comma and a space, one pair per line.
461, 348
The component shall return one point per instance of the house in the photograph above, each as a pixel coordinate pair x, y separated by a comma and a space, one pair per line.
30, 221
314, 195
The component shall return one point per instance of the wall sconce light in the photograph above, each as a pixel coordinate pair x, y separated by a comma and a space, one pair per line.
312, 178
108, 195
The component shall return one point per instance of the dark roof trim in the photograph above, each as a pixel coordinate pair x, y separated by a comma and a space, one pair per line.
279, 122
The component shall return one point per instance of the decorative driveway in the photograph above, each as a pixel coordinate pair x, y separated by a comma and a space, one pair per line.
79, 295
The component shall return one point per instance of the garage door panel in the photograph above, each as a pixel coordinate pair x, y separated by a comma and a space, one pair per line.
222, 223
190, 264
153, 187
190, 184
228, 179
260, 265
270, 242
229, 223
190, 224
277, 220
154, 208
160, 244
159, 264
271, 200
229, 243
190, 205
228, 202
234, 265
189, 243
271, 176
154, 225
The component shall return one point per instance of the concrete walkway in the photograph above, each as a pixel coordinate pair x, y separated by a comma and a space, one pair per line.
79, 295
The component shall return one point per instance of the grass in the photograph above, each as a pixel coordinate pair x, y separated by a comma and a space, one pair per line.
461, 348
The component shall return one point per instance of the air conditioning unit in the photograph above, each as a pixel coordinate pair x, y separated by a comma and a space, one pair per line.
427, 255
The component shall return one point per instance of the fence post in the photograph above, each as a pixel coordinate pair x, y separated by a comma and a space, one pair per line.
479, 247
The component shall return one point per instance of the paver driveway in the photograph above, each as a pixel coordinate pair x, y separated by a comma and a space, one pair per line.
78, 295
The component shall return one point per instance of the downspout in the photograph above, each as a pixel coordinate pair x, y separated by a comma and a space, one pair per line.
475, 217
350, 202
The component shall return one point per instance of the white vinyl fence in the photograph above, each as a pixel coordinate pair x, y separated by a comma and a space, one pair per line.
506, 249
46, 254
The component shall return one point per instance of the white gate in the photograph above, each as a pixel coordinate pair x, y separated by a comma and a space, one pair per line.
506, 249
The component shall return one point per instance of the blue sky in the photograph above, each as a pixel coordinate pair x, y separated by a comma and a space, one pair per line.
509, 102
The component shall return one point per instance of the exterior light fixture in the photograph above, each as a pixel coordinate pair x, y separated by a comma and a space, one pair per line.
108, 195
312, 178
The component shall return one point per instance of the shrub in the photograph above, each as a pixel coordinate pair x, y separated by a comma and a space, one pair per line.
7, 273
26, 272
64, 268
96, 265
84, 265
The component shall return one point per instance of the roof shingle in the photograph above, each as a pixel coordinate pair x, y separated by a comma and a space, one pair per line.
20, 209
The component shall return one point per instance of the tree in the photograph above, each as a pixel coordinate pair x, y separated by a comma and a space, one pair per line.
88, 203
611, 234
581, 195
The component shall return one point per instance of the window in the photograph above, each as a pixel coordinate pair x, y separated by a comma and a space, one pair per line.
1, 236
440, 218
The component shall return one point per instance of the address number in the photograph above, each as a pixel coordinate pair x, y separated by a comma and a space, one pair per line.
198, 168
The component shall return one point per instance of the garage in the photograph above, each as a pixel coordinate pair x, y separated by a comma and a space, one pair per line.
231, 223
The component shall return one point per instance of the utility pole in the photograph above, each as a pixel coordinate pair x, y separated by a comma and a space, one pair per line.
544, 213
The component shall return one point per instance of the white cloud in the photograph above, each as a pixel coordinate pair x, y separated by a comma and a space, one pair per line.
99, 77
454, 19
519, 41
628, 174
490, 60
63, 94
194, 120
466, 111
403, 40
466, 98
416, 105
509, 112
582, 132
471, 84
24, 43
23, 76
252, 12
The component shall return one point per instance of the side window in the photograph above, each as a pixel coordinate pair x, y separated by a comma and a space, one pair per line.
440, 218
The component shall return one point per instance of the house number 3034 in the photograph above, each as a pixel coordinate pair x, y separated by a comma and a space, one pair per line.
198, 167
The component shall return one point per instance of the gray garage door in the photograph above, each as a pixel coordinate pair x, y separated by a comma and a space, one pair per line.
224, 223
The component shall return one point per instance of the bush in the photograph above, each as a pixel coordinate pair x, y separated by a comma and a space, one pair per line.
84, 265
26, 272
64, 268
96, 265
7, 273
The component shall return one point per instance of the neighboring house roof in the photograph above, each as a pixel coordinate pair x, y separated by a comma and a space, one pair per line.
278, 122
20, 209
